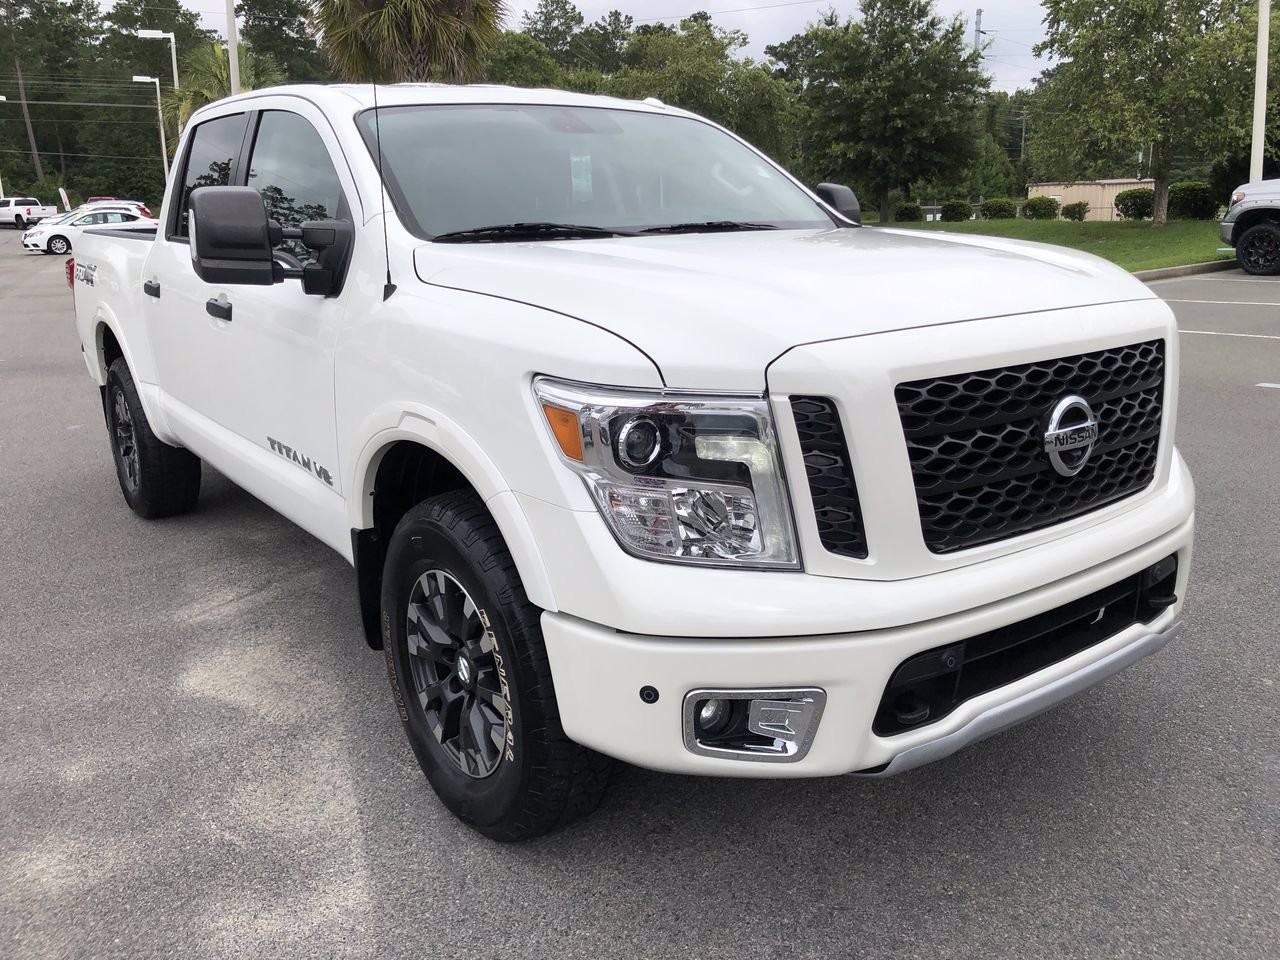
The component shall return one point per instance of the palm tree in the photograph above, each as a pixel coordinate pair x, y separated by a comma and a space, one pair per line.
394, 41
206, 77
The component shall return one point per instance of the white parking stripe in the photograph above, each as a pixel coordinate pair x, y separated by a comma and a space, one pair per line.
1229, 303
1219, 333
1212, 279
1273, 386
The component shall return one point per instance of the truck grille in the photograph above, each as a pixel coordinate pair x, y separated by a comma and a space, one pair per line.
976, 442
830, 475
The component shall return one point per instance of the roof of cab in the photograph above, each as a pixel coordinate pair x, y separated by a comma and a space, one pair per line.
343, 96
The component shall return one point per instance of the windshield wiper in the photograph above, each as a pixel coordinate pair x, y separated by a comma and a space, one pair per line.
710, 226
536, 230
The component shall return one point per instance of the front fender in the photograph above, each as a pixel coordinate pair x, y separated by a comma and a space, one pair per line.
418, 423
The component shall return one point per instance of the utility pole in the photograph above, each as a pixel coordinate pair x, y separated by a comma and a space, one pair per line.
1260, 91
1022, 151
26, 116
977, 31
233, 47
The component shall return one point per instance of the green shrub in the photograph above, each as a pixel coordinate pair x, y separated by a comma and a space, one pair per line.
1075, 211
956, 211
909, 212
1136, 204
999, 208
1040, 208
1192, 200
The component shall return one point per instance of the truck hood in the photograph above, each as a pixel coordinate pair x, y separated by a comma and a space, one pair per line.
712, 310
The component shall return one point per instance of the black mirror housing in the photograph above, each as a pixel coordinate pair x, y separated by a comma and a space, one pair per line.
230, 237
841, 199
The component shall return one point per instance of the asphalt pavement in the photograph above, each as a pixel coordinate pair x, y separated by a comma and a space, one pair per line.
201, 757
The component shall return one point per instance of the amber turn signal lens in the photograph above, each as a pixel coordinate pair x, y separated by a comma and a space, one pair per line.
564, 424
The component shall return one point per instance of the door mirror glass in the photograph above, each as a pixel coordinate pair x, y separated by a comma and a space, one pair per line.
841, 199
230, 237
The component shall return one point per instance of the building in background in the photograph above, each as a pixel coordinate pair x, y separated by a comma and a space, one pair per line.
1099, 194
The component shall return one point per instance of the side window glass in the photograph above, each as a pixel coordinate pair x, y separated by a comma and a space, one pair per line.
214, 145
115, 218
290, 166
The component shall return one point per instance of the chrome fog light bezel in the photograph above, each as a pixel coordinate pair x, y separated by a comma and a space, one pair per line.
810, 702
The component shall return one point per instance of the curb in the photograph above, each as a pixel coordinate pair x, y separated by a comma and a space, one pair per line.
1169, 273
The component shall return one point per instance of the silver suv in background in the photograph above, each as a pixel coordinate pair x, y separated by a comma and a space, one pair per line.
1252, 226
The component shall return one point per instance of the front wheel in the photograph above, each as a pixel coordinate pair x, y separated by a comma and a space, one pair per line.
59, 245
157, 480
19, 223
1258, 250
471, 679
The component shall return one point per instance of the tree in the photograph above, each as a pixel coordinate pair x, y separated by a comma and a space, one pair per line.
554, 24
206, 77
890, 99
1157, 76
281, 30
601, 45
519, 60
392, 41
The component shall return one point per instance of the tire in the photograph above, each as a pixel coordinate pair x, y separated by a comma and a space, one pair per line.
447, 555
1258, 250
19, 223
157, 480
58, 245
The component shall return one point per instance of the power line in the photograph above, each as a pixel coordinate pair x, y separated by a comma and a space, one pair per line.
716, 13
83, 103
96, 156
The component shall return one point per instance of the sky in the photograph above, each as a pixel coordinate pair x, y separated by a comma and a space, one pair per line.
1011, 27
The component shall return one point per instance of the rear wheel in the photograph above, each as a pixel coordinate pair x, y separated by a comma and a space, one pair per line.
471, 678
19, 223
1258, 250
157, 480
58, 245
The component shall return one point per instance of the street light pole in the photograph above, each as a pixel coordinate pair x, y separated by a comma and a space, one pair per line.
233, 47
2, 100
164, 150
173, 48
1260, 91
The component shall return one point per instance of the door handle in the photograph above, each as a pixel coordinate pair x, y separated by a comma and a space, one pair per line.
151, 288
219, 307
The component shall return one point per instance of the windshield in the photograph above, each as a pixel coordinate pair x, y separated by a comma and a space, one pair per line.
461, 167
64, 217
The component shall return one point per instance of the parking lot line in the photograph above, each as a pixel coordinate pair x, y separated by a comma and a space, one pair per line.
1202, 277
1228, 303
1270, 386
1220, 333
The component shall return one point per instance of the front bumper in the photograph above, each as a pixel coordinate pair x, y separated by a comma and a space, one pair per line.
33, 245
1225, 229
599, 673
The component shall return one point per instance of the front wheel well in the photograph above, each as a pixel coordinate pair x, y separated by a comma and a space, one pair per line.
407, 473
1252, 218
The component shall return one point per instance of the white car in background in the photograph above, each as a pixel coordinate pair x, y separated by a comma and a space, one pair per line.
58, 236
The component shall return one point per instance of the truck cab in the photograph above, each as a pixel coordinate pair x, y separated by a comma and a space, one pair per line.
641, 449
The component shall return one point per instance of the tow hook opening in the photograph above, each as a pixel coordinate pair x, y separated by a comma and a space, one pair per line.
765, 725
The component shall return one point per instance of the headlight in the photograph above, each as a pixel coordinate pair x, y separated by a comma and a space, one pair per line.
1237, 197
676, 476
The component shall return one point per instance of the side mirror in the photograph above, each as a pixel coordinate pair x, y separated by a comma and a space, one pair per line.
841, 199
230, 238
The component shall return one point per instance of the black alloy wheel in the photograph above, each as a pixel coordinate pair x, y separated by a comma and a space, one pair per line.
456, 679
1258, 250
125, 441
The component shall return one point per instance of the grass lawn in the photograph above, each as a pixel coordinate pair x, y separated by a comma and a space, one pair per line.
1134, 246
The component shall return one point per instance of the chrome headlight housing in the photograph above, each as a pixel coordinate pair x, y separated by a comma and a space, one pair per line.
677, 476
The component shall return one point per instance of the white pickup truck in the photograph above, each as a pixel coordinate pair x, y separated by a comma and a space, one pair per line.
24, 211
640, 449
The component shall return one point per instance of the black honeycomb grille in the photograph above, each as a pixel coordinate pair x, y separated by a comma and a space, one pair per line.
830, 475
976, 442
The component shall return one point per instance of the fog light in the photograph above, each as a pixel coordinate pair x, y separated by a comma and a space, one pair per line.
713, 716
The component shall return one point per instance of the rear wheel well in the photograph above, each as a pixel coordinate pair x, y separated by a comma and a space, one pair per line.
407, 474
108, 346
1252, 218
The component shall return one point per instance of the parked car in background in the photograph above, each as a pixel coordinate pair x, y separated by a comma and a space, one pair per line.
60, 234
21, 211
137, 205
1252, 226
